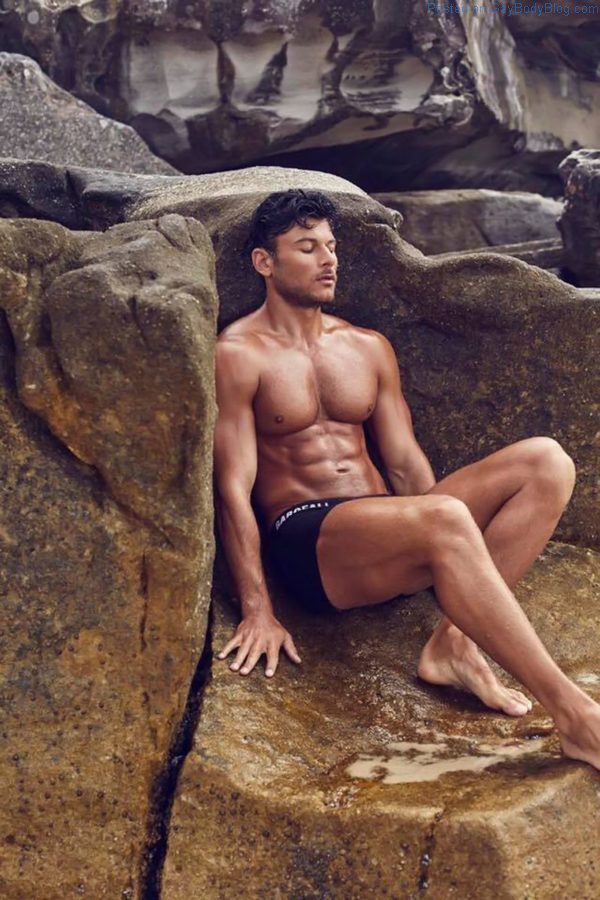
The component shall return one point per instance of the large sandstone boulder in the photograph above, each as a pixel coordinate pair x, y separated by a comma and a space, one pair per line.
491, 350
580, 222
443, 221
312, 784
106, 542
410, 95
38, 120
347, 778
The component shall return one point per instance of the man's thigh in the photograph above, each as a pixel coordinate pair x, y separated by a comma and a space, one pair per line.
371, 549
484, 486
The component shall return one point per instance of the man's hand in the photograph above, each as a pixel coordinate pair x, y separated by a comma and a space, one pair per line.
256, 634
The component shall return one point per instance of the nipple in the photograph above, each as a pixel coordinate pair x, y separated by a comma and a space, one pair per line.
279, 418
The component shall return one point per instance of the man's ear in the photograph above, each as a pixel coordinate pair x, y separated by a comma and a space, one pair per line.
262, 261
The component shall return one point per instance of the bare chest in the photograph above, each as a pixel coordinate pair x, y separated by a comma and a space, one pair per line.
297, 390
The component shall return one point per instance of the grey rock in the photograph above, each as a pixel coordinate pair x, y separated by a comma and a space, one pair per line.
381, 93
580, 222
39, 120
442, 221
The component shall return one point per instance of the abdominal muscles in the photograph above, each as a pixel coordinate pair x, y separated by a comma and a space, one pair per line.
327, 459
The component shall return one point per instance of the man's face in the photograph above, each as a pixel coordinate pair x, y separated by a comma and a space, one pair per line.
303, 268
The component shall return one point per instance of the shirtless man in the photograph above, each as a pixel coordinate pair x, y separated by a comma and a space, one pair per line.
295, 386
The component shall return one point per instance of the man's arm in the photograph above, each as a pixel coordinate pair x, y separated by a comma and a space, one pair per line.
235, 456
390, 425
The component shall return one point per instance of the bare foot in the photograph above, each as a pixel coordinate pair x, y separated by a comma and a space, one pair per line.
581, 738
451, 658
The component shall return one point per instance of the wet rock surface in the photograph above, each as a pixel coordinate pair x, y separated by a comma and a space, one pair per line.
386, 94
347, 777
580, 221
38, 120
106, 542
443, 221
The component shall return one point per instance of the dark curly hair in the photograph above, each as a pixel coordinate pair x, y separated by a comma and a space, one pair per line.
282, 210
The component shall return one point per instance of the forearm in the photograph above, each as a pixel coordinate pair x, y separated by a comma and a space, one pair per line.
415, 477
240, 536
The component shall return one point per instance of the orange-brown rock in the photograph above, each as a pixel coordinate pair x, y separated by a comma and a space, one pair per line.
345, 777
106, 544
491, 350
276, 799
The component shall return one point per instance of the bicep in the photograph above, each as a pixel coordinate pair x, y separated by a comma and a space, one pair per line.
390, 424
235, 444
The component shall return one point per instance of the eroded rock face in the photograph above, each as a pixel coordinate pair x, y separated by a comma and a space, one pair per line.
106, 539
346, 777
438, 98
38, 120
580, 221
443, 221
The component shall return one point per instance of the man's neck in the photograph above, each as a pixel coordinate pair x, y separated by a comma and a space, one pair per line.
304, 324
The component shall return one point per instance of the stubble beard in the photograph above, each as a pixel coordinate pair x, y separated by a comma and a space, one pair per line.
304, 301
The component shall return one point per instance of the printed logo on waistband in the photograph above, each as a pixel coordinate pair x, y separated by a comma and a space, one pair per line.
317, 504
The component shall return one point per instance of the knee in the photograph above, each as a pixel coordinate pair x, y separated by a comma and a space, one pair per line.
551, 468
449, 525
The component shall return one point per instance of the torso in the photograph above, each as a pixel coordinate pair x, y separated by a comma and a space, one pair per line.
309, 411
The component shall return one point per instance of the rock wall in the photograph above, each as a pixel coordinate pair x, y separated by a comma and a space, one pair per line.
106, 541
393, 96
491, 350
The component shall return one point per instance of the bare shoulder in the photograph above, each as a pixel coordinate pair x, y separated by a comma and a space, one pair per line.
371, 341
238, 358
241, 330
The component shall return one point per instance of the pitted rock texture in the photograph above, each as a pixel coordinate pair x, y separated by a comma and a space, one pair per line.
442, 221
106, 542
440, 97
38, 120
580, 221
491, 350
346, 777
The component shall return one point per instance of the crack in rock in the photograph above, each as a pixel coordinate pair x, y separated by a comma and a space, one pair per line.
165, 785
427, 854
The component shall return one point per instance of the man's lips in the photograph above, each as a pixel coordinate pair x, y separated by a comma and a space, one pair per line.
330, 278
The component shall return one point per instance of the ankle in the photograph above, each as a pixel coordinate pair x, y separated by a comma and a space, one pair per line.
570, 714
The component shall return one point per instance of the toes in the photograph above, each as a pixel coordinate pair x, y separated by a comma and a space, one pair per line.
516, 704
521, 698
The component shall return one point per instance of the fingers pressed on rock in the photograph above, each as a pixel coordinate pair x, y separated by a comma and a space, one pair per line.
241, 655
272, 661
234, 642
291, 649
253, 658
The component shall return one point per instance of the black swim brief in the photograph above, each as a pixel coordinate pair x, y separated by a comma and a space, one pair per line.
292, 548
